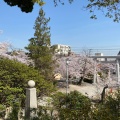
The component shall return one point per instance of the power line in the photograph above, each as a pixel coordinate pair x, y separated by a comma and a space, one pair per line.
105, 51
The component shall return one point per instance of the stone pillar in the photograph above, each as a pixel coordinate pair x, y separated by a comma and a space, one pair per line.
31, 100
118, 71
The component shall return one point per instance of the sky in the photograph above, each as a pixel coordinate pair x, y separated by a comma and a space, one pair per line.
70, 25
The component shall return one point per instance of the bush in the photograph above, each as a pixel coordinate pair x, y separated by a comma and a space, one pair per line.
13, 81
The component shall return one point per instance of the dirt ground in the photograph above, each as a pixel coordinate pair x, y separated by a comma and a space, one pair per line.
90, 90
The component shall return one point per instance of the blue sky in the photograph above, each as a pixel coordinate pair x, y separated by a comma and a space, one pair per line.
70, 25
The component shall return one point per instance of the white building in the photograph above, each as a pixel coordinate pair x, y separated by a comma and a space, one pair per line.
62, 49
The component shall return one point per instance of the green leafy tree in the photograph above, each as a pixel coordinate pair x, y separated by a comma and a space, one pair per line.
73, 106
109, 110
13, 82
14, 112
39, 46
24, 5
110, 8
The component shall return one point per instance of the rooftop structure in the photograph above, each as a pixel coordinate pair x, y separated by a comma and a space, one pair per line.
99, 54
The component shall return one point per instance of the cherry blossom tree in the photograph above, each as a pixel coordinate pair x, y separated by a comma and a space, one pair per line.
79, 66
18, 55
82, 66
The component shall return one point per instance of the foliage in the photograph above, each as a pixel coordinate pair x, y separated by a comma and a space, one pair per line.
75, 106
4, 46
110, 8
13, 54
13, 81
14, 112
113, 104
44, 113
2, 110
72, 106
79, 66
109, 110
24, 5
82, 67
39, 46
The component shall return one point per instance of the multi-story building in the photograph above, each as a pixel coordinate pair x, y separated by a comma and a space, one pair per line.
62, 49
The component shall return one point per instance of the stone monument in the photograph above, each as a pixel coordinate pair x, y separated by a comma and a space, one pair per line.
31, 99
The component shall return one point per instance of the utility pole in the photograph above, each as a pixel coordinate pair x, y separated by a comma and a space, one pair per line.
95, 74
67, 62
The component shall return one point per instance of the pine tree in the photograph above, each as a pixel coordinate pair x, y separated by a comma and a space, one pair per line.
39, 46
